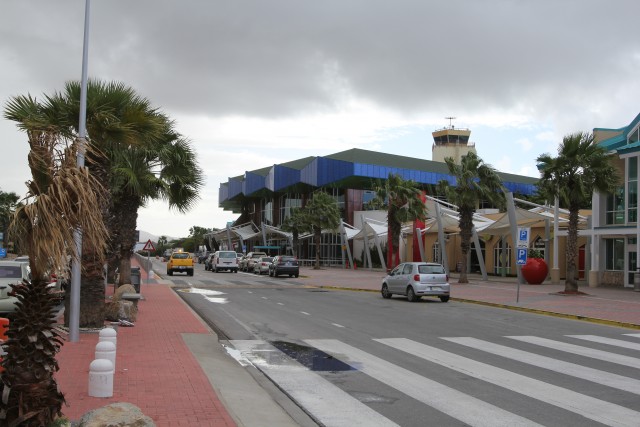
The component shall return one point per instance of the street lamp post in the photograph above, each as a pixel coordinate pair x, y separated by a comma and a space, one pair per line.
74, 306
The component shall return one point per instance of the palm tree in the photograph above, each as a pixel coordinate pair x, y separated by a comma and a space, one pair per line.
8, 205
321, 213
117, 118
403, 202
161, 169
474, 181
295, 224
581, 168
61, 197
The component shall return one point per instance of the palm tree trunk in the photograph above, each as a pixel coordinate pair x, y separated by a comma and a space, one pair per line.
317, 237
570, 282
466, 224
128, 210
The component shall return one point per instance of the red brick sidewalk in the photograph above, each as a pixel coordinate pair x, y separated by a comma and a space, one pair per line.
154, 368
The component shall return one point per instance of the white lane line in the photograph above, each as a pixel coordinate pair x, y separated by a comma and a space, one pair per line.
632, 335
594, 375
305, 313
587, 406
609, 341
593, 353
337, 325
326, 402
468, 409
280, 303
264, 298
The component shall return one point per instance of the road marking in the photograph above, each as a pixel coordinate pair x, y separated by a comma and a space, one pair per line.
265, 298
632, 335
609, 341
305, 313
587, 406
582, 351
468, 409
326, 402
337, 325
280, 303
594, 375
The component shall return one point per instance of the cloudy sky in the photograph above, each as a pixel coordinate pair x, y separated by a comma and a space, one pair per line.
253, 83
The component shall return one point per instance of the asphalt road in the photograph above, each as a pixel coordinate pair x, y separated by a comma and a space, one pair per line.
353, 358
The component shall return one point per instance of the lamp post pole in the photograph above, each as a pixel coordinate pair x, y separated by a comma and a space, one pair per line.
74, 306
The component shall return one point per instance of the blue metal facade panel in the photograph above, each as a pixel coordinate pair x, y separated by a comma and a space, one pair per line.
331, 170
519, 188
285, 177
269, 180
235, 187
309, 174
253, 182
223, 192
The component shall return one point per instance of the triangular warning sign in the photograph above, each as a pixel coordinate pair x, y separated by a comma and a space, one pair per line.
148, 246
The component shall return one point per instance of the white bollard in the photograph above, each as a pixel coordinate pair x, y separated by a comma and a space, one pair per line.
152, 275
101, 378
109, 334
106, 350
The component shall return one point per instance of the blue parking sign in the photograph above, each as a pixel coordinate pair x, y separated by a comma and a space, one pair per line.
3, 253
522, 256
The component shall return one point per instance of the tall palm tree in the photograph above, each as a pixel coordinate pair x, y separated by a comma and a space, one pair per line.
321, 213
580, 168
117, 118
61, 197
402, 200
161, 169
474, 181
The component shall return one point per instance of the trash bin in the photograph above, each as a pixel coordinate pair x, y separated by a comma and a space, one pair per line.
135, 278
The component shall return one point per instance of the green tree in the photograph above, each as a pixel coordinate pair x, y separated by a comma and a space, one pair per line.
403, 203
117, 118
581, 168
321, 213
474, 181
197, 233
60, 198
8, 205
165, 169
295, 224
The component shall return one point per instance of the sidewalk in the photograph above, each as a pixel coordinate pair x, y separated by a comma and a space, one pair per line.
158, 370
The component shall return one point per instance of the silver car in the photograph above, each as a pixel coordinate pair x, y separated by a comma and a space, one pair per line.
417, 279
11, 272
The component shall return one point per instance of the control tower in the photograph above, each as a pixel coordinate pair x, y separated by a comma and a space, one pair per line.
451, 142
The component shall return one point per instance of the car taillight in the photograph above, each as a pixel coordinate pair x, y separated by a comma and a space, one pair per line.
416, 277
447, 276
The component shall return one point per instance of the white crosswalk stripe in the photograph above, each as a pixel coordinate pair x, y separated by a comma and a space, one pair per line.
328, 403
594, 375
608, 341
589, 407
333, 406
445, 399
619, 359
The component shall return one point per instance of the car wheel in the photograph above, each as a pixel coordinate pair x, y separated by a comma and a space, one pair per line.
296, 275
385, 292
411, 295
444, 299
170, 272
190, 273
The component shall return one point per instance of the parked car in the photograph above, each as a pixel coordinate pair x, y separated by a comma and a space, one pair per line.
224, 260
417, 279
11, 272
250, 259
203, 256
284, 264
261, 265
207, 262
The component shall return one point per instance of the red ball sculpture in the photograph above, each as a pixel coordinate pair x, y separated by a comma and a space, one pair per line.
535, 271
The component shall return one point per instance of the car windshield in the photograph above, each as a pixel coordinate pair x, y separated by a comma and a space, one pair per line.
10, 271
227, 255
267, 259
181, 255
431, 269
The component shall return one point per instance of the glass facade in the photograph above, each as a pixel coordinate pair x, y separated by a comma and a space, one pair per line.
632, 188
614, 254
615, 210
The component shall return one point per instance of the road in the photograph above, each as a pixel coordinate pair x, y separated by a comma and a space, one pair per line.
353, 358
